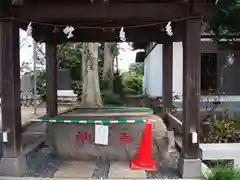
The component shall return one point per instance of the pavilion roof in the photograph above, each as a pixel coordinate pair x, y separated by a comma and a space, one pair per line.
89, 1
102, 19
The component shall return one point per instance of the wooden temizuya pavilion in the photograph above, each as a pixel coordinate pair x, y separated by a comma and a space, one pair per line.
96, 21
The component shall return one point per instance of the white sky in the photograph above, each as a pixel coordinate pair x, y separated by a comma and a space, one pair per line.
126, 57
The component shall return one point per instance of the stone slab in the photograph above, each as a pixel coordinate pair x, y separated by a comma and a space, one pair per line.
75, 142
190, 168
76, 170
121, 170
219, 151
17, 166
13, 166
63, 140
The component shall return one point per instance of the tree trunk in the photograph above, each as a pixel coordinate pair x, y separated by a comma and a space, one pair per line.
83, 61
117, 67
108, 65
91, 95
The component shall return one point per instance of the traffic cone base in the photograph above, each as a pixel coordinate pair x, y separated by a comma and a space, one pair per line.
144, 159
151, 166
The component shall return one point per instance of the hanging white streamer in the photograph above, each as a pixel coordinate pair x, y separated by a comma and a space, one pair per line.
122, 34
169, 29
29, 29
69, 31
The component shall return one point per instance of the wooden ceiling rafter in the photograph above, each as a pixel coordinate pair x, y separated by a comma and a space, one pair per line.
77, 1
149, 33
101, 11
17, 2
114, 14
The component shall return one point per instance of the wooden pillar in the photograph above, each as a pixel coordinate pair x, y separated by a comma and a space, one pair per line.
191, 87
51, 72
167, 75
10, 86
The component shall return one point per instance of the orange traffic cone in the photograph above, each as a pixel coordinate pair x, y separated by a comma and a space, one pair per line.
144, 159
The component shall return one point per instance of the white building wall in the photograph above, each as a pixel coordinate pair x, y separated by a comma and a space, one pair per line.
153, 71
153, 78
178, 69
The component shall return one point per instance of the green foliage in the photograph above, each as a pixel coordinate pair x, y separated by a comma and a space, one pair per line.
116, 95
69, 55
221, 131
118, 85
223, 174
41, 84
77, 87
110, 97
137, 67
226, 22
132, 82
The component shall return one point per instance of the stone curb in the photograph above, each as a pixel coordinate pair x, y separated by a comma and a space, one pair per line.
36, 178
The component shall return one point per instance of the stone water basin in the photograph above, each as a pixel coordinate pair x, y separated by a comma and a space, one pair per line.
71, 134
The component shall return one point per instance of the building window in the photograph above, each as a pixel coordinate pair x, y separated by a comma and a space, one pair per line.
208, 73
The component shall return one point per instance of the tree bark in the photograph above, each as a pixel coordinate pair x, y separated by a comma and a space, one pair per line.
108, 65
83, 60
117, 67
91, 95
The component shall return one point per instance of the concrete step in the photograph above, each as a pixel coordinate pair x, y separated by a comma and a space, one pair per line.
75, 170
121, 170
220, 105
85, 169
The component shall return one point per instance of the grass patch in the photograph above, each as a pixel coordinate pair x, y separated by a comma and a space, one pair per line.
219, 163
220, 173
237, 124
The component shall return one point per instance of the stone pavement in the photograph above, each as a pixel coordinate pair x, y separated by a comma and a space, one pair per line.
117, 170
28, 113
91, 169
36, 178
76, 141
45, 163
63, 170
121, 170
76, 170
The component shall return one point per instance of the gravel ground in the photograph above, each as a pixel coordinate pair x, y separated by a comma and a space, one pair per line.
102, 169
166, 170
43, 163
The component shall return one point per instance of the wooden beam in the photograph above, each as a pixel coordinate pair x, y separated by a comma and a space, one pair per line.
99, 35
17, 2
51, 72
150, 11
175, 123
10, 86
167, 60
191, 87
208, 10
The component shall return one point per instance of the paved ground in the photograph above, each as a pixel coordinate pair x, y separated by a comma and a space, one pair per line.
28, 113
35, 178
43, 163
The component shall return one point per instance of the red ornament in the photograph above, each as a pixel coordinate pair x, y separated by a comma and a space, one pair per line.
82, 137
125, 138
